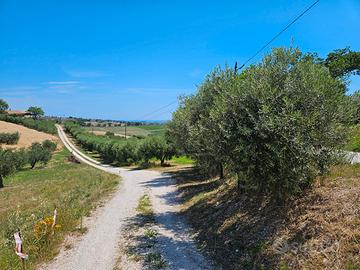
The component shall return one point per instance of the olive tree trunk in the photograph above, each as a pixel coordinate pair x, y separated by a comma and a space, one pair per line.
1, 182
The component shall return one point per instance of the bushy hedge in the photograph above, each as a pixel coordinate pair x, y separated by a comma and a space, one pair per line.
43, 125
121, 150
9, 138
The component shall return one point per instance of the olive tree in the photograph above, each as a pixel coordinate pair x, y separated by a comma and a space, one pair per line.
163, 149
274, 126
192, 130
3, 105
355, 105
36, 111
282, 122
38, 153
7, 164
49, 145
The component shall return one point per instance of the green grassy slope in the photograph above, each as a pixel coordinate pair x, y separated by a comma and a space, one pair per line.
30, 196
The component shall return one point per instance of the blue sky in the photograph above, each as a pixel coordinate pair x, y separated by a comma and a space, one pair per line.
125, 59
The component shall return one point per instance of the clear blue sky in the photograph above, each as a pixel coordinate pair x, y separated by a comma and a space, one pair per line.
125, 59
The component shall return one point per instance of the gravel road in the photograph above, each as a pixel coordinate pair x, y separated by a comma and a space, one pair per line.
98, 248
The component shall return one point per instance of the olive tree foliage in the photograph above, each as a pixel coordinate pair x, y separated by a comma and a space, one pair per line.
343, 62
13, 160
7, 164
156, 147
49, 145
38, 153
354, 105
121, 150
192, 129
275, 126
9, 138
37, 111
163, 149
3, 105
10, 161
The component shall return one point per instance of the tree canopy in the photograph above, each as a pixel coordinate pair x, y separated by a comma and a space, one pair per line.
37, 111
274, 126
3, 105
343, 62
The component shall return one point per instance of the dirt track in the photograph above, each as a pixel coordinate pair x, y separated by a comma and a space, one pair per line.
98, 248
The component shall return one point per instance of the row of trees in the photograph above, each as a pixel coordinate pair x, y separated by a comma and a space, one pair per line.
121, 150
11, 160
43, 125
274, 126
9, 138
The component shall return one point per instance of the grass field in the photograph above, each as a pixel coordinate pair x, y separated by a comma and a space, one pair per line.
143, 131
30, 196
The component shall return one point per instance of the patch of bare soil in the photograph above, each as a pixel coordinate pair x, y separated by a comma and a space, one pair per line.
27, 135
320, 230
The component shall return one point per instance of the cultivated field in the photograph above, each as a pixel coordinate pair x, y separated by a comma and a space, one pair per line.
27, 135
143, 131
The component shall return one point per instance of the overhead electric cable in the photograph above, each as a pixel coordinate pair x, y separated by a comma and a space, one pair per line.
157, 110
277, 35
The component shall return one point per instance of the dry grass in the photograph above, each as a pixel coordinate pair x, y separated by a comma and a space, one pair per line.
27, 135
320, 230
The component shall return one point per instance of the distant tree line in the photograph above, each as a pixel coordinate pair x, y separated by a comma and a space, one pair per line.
273, 127
13, 160
43, 125
121, 150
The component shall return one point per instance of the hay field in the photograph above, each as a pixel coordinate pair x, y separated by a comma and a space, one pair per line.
27, 135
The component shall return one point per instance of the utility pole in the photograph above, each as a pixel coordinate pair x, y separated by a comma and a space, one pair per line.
125, 130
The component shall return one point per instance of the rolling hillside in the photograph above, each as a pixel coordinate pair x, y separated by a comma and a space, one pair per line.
27, 135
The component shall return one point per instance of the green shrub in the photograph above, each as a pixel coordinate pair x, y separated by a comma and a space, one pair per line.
20, 158
7, 164
109, 134
9, 138
49, 145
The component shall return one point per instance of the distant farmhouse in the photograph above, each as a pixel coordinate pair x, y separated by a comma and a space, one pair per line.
19, 113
